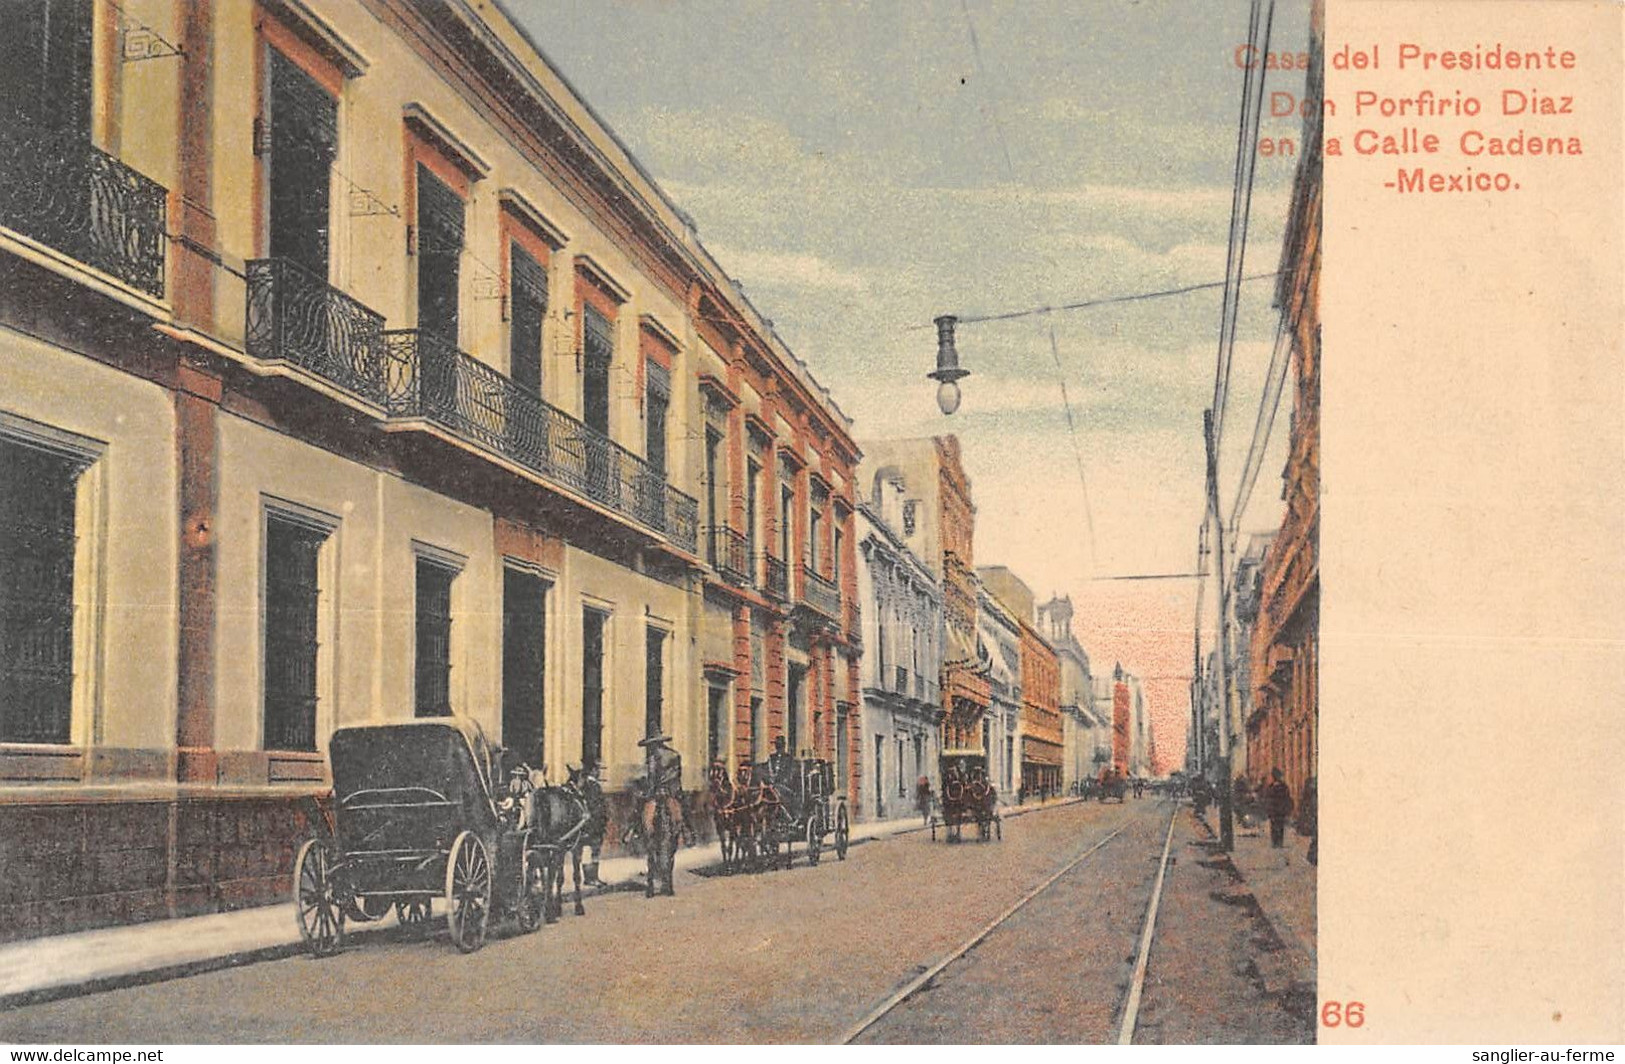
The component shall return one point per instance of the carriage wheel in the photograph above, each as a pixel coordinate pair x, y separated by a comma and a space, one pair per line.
413, 914
321, 917
468, 892
843, 833
815, 838
533, 884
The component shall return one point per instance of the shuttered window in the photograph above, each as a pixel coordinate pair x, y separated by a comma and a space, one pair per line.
304, 140
439, 251
38, 491
45, 64
657, 404
527, 299
598, 351
292, 595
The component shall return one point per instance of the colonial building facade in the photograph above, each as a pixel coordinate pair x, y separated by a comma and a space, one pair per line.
1283, 728
998, 643
942, 533
1040, 695
902, 637
375, 380
1082, 733
1132, 741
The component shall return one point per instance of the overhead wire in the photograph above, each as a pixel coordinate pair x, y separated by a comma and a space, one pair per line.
1055, 350
1241, 204
977, 319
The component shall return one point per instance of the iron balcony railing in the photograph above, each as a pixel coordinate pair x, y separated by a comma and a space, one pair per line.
296, 317
427, 377
821, 594
728, 551
776, 576
66, 193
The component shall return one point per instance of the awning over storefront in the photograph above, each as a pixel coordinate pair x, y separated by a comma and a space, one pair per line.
1040, 751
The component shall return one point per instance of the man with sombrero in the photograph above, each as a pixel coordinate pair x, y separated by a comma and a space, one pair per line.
662, 788
663, 767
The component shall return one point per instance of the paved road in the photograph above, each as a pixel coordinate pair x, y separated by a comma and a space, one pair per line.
796, 956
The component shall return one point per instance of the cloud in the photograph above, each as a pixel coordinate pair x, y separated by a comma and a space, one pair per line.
761, 268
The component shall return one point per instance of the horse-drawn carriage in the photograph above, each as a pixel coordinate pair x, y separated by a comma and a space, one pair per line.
420, 812
968, 796
777, 803
1112, 787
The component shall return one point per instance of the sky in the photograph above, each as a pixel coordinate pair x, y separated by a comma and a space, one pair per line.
861, 168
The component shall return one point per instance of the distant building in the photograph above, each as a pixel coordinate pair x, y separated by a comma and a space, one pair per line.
1078, 720
939, 525
998, 641
1131, 726
902, 638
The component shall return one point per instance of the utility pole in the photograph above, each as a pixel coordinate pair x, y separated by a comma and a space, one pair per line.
1227, 831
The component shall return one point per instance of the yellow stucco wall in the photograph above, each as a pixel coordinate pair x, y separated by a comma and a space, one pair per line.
130, 699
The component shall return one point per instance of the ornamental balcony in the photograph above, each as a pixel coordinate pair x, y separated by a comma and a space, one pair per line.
776, 577
728, 552
430, 379
67, 194
297, 318
820, 594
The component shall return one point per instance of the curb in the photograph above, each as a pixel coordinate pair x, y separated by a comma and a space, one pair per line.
626, 882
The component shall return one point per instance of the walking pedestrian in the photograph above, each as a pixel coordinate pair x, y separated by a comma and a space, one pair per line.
1277, 806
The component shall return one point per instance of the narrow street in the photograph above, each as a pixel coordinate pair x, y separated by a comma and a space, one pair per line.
797, 956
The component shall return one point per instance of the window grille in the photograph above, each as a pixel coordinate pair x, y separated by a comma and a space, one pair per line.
433, 691
292, 595
38, 492
592, 686
654, 675
524, 663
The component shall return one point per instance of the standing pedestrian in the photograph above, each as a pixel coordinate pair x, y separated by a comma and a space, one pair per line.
1308, 817
1277, 806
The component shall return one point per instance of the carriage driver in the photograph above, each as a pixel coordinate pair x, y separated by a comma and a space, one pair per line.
780, 765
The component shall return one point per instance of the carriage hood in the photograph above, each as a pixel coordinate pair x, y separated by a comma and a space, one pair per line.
448, 755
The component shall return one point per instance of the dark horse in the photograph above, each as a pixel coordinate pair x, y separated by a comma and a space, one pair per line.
560, 817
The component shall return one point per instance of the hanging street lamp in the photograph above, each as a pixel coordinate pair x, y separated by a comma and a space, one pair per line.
947, 373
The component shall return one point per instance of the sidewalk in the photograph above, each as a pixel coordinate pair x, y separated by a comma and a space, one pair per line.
1284, 884
60, 965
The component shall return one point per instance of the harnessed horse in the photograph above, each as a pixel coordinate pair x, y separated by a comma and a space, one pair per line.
727, 810
559, 816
